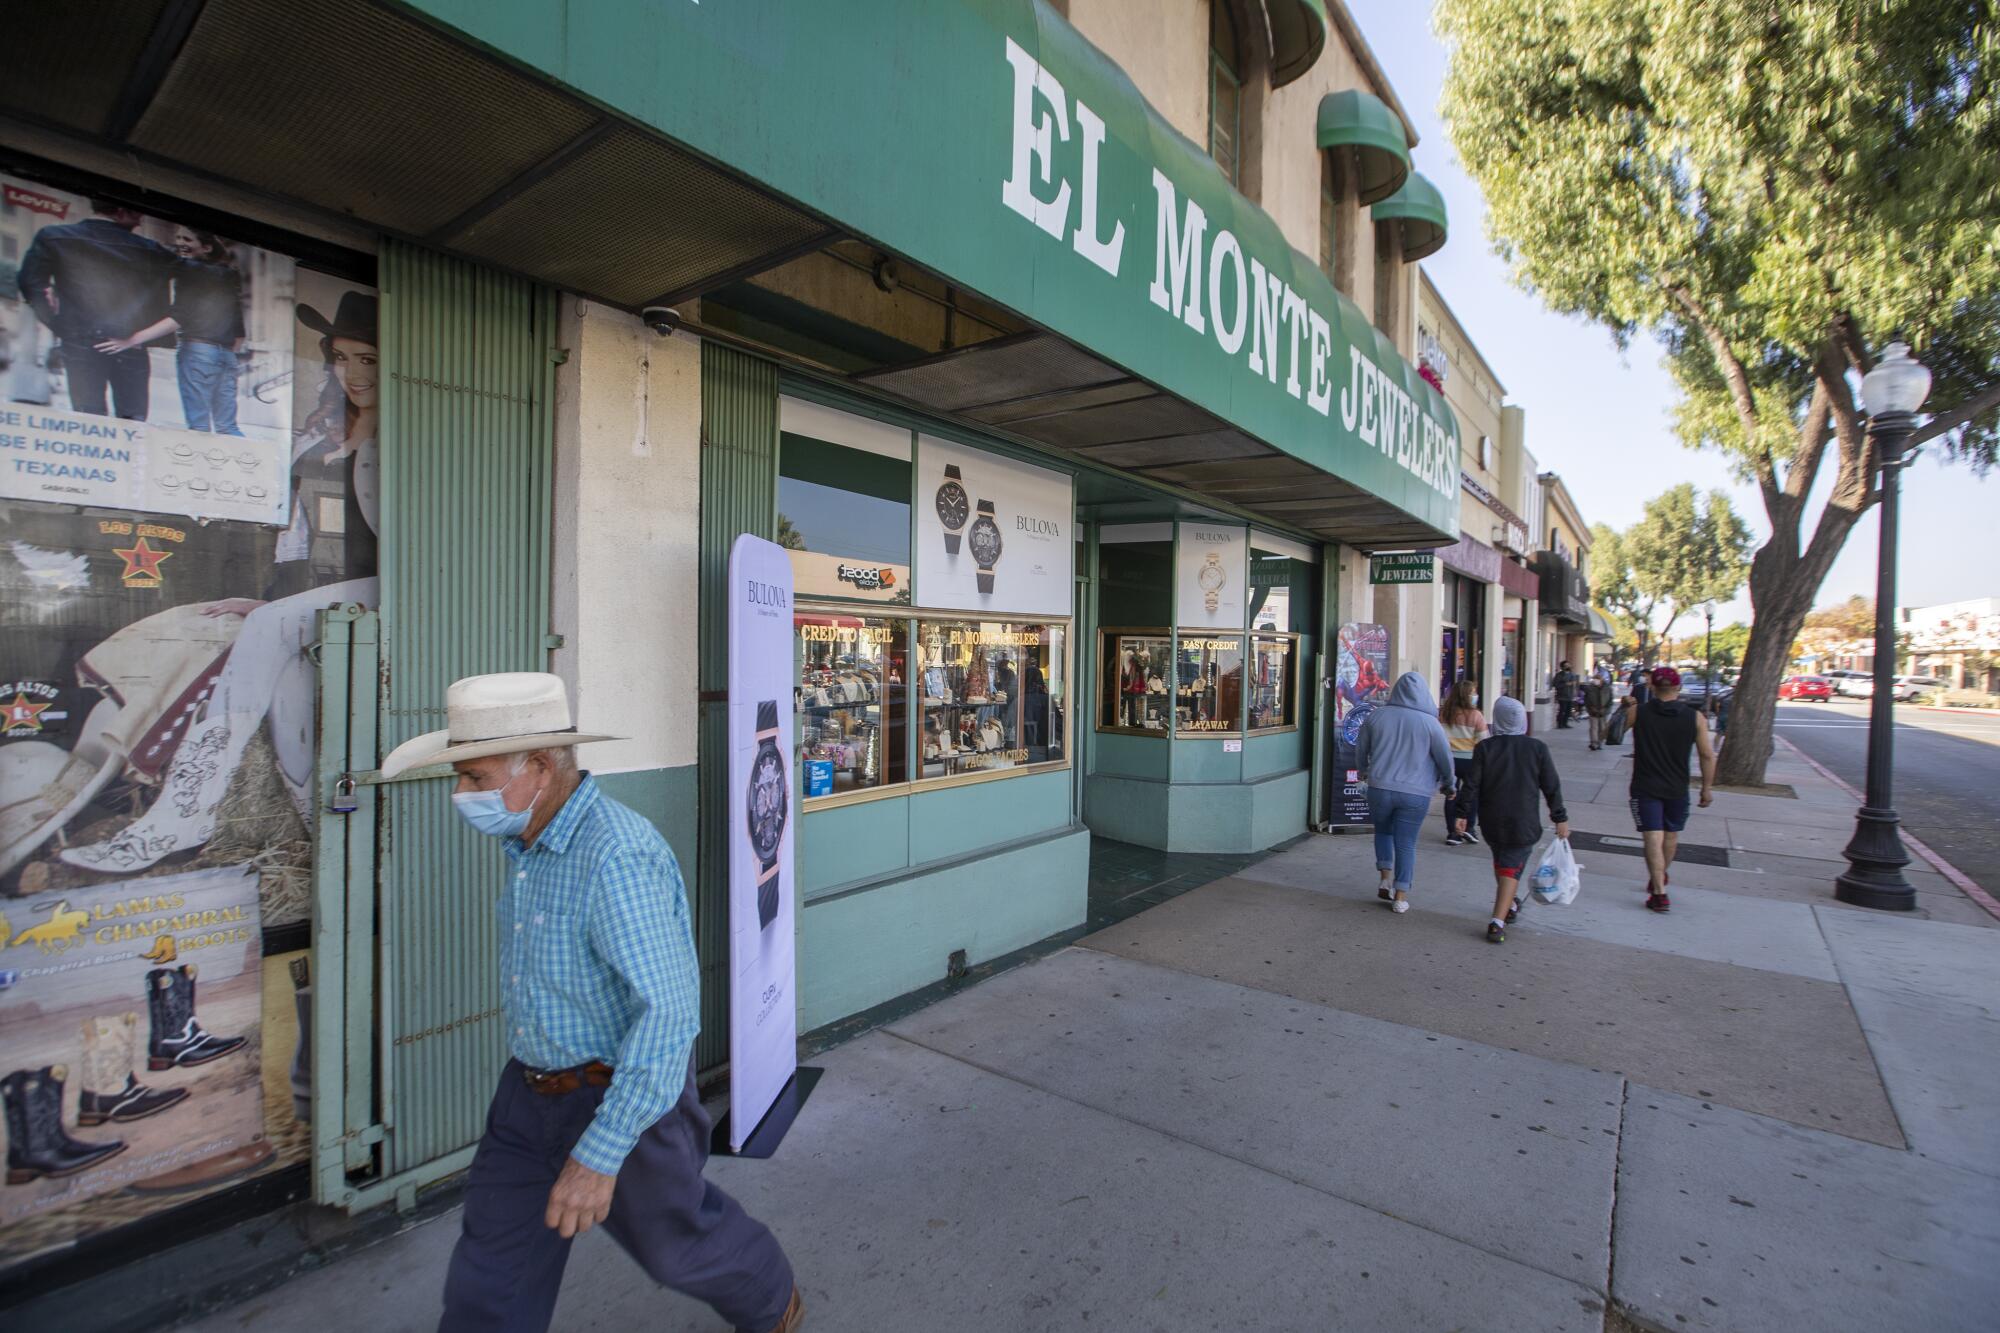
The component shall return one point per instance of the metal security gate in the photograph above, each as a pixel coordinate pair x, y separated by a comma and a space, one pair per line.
406, 1030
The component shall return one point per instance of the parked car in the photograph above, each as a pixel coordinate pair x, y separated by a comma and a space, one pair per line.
1915, 687
1852, 684
1804, 689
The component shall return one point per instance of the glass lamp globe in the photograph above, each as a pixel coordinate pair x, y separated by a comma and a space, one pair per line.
1899, 382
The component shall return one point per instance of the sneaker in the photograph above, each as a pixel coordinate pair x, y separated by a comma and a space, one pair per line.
1384, 894
1513, 912
1399, 905
1455, 840
1657, 902
1494, 934
1471, 836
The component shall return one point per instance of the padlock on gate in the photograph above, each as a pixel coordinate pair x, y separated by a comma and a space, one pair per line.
343, 797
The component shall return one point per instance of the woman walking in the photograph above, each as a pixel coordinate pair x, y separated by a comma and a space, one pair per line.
1403, 756
1464, 725
1508, 769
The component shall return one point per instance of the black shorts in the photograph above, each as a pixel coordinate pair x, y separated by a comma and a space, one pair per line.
1653, 815
1511, 861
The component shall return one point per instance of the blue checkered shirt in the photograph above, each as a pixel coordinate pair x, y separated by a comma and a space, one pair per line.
597, 962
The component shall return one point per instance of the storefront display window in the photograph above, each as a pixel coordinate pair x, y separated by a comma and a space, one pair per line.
1273, 701
991, 695
1208, 689
852, 712
1134, 667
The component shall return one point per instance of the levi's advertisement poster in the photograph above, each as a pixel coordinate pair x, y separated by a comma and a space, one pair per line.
763, 1013
1211, 574
1360, 686
992, 534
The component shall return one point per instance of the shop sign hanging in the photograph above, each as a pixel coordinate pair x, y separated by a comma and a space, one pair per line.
152, 363
1418, 567
1211, 571
993, 534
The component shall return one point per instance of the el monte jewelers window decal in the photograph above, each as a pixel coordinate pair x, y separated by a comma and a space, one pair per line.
993, 696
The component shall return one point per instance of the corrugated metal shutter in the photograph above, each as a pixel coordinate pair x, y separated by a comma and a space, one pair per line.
467, 417
739, 493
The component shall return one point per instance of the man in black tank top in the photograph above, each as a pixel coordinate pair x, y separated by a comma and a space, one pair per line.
1664, 730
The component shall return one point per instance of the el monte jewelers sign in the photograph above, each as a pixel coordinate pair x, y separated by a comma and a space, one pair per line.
998, 147
1417, 568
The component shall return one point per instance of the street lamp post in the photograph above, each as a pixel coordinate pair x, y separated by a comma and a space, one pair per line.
1708, 679
1892, 392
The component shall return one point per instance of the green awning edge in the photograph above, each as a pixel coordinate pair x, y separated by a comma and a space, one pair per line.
1298, 35
1360, 120
1420, 208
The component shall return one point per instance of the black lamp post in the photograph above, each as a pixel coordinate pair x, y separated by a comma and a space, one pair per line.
1892, 392
1708, 678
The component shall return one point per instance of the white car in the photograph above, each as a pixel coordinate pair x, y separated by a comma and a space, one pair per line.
1852, 684
1915, 687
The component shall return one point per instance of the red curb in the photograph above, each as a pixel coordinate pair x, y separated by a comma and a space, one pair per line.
1962, 712
1959, 878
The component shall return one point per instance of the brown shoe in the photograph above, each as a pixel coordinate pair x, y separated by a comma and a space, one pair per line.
795, 1315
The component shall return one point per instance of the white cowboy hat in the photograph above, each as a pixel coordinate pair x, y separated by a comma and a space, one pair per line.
504, 713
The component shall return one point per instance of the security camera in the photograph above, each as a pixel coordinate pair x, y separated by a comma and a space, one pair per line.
661, 319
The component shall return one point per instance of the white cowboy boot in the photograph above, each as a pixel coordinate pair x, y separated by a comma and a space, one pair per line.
182, 815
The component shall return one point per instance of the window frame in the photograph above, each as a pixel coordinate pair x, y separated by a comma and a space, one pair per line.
1242, 638
1219, 69
1297, 642
1104, 635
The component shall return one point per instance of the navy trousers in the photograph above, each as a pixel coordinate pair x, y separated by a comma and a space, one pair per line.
683, 1231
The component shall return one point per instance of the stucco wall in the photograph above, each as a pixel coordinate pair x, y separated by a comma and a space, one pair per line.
1163, 46
627, 519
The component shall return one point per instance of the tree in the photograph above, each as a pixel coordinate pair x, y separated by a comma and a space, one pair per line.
1681, 553
1851, 619
788, 535
1773, 191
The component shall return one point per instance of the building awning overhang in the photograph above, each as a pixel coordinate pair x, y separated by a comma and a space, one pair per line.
1600, 628
1418, 209
1362, 121
1074, 259
1298, 36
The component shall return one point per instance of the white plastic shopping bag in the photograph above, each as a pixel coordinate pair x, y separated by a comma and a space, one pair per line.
1558, 877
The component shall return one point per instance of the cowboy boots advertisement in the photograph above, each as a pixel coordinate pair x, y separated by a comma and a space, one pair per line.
131, 1022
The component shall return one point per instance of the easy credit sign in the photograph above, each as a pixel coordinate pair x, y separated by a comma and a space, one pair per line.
1419, 567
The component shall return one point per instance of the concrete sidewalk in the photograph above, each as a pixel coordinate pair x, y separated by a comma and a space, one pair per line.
1269, 1103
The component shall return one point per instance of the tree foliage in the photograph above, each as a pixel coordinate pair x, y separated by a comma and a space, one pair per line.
1851, 619
1687, 549
1774, 191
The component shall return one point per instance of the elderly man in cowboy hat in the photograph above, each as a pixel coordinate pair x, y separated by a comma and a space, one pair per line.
596, 1117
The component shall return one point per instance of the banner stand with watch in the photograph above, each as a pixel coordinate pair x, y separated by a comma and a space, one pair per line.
767, 1088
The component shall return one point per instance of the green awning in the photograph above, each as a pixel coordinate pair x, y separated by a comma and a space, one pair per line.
1298, 35
1364, 122
1420, 209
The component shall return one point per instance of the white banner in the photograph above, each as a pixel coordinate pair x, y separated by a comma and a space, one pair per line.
149, 364
1211, 571
993, 535
763, 1013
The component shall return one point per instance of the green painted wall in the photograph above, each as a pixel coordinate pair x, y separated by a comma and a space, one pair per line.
669, 797
1198, 817
1118, 755
861, 948
854, 845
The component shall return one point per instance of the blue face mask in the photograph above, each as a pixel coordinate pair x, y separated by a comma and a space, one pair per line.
487, 812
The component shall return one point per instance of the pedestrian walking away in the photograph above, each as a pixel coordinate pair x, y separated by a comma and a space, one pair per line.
1464, 725
1403, 755
1664, 729
1597, 704
596, 1118
1508, 770
1563, 683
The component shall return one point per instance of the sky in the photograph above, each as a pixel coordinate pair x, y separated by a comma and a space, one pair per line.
1602, 418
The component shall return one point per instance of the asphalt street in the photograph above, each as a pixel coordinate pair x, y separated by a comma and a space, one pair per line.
1947, 771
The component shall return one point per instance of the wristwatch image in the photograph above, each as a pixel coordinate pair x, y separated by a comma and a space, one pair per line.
985, 540
1211, 578
953, 507
769, 802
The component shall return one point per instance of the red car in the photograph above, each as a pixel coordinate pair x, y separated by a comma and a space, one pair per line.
1806, 687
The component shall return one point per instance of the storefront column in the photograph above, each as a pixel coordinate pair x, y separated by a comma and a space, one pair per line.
1490, 684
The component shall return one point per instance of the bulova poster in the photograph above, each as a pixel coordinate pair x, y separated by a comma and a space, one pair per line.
763, 1010
1360, 686
1211, 575
149, 365
992, 534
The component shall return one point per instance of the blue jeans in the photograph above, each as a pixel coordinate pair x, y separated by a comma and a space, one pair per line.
1397, 816
207, 373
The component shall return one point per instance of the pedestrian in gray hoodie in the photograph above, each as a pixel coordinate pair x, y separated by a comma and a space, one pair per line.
1403, 756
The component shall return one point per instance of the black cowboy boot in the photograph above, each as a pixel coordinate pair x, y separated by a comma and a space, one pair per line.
178, 1040
36, 1143
110, 1092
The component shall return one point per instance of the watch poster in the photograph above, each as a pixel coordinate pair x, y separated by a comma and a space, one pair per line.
144, 364
1360, 686
763, 1010
1211, 576
993, 534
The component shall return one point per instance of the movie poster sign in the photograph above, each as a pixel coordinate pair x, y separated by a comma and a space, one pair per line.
148, 364
1360, 686
763, 1010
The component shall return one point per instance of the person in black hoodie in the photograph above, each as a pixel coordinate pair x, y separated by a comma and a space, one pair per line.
1508, 769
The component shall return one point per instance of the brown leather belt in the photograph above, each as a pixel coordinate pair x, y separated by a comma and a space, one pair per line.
557, 1082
